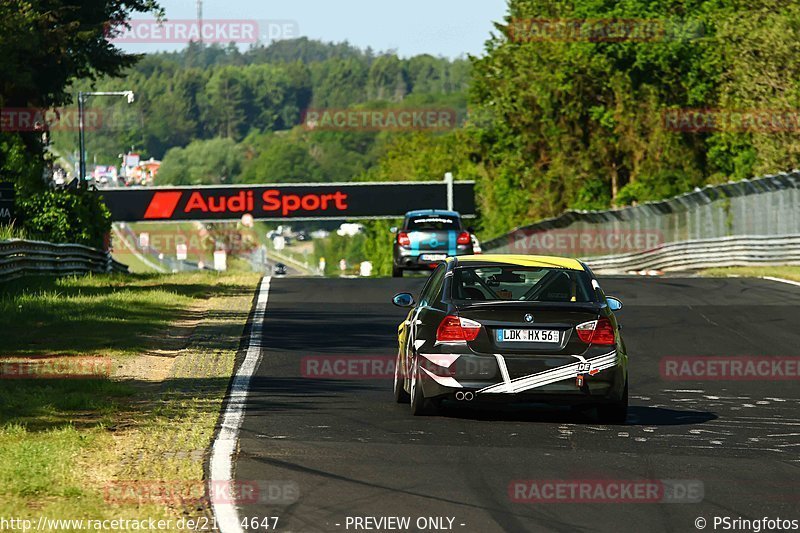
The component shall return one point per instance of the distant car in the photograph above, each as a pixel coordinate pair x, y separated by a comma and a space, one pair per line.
428, 237
106, 178
512, 328
279, 269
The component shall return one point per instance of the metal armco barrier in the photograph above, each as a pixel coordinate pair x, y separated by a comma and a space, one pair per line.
757, 250
22, 257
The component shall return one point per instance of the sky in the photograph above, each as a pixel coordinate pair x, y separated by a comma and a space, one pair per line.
449, 28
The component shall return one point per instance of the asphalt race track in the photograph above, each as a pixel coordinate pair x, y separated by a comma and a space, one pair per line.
352, 452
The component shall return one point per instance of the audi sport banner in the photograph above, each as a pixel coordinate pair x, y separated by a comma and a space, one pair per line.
278, 202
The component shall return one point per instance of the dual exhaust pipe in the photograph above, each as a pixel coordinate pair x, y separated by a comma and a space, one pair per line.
465, 396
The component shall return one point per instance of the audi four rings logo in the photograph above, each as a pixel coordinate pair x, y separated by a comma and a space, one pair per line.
529, 318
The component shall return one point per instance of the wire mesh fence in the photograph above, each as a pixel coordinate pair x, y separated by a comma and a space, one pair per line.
764, 206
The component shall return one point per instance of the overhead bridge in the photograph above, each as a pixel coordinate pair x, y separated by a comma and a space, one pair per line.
317, 201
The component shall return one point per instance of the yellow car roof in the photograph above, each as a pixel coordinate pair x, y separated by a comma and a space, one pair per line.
522, 260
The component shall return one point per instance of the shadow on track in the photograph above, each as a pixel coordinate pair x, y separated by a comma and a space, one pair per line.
638, 415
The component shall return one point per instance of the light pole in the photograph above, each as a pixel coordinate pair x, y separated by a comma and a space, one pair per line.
82, 142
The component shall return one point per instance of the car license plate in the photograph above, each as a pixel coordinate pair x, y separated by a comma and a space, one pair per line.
527, 335
433, 257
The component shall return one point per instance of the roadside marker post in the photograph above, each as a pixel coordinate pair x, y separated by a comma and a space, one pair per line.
448, 179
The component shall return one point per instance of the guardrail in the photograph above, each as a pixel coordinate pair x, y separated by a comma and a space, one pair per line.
20, 257
755, 250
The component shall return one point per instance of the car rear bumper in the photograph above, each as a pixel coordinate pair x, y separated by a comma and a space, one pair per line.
487, 378
408, 259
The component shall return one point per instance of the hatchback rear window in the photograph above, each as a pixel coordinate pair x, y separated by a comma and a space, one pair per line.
433, 222
534, 284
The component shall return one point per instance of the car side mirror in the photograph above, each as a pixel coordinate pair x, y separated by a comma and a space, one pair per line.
614, 303
393, 229
404, 299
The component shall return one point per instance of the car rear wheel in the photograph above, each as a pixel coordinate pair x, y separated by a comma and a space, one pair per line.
614, 413
400, 394
397, 272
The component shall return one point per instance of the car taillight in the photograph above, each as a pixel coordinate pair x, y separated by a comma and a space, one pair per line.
455, 328
464, 238
402, 239
597, 332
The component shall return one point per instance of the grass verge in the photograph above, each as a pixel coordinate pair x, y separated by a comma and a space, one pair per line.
128, 442
785, 272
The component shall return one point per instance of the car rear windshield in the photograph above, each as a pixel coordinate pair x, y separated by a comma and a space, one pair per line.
534, 284
433, 222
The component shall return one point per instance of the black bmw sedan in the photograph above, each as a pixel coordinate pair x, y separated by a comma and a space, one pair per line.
512, 328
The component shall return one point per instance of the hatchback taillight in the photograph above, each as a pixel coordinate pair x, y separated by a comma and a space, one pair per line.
402, 239
455, 328
464, 238
597, 332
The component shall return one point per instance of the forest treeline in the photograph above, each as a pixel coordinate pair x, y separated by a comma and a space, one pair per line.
565, 109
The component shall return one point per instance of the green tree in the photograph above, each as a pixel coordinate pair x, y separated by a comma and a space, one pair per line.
387, 79
280, 159
44, 46
225, 103
339, 83
572, 123
202, 162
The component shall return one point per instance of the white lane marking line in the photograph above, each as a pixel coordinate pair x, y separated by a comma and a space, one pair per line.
781, 280
225, 444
